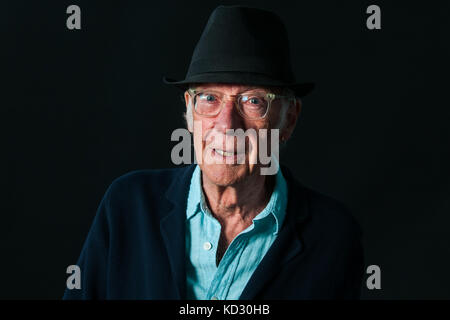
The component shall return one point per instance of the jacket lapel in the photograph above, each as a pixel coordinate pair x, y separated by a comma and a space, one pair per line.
288, 243
172, 226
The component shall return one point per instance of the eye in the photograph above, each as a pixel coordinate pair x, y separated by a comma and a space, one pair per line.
207, 97
253, 101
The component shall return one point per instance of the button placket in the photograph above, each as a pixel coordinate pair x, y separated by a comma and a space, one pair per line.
220, 287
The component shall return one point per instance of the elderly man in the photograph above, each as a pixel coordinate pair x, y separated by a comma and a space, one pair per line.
221, 229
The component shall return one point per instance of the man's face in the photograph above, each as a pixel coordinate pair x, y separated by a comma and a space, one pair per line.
210, 134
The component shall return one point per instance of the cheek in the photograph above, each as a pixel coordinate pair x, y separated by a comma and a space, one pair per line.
201, 127
275, 113
260, 124
273, 118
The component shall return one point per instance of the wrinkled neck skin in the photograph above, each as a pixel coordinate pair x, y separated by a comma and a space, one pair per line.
239, 203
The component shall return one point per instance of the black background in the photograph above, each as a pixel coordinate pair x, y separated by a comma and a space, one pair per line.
82, 107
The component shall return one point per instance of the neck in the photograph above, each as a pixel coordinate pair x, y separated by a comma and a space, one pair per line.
242, 201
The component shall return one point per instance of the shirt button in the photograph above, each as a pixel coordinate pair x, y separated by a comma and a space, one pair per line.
207, 246
214, 298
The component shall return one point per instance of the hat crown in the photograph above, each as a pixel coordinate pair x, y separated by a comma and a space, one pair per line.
243, 45
243, 39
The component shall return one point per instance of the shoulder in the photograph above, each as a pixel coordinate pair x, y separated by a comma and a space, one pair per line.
325, 217
146, 177
333, 216
331, 233
148, 183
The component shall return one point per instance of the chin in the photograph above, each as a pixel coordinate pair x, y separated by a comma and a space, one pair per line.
224, 174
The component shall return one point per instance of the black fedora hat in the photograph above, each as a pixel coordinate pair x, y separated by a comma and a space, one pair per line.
243, 45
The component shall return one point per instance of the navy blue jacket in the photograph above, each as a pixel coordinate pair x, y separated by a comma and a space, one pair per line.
135, 248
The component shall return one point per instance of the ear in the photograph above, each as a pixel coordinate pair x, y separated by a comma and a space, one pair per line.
188, 114
292, 115
187, 98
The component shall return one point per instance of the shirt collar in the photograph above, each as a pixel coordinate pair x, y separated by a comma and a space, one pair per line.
195, 194
276, 207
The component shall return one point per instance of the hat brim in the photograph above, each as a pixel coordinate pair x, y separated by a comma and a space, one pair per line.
256, 79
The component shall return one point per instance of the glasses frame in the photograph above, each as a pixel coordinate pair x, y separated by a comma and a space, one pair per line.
270, 97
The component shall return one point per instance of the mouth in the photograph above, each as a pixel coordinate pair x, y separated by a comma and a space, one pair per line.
228, 157
224, 153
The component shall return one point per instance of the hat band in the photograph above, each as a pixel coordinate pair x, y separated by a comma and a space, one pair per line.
273, 69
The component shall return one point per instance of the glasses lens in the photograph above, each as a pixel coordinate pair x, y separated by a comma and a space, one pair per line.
207, 103
254, 105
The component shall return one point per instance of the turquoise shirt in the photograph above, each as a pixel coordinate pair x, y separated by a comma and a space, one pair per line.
206, 280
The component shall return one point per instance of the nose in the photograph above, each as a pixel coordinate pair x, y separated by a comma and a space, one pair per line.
229, 117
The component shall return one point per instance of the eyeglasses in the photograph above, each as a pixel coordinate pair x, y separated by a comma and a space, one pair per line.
252, 105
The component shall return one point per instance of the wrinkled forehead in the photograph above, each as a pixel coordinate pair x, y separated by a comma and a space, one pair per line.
232, 88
